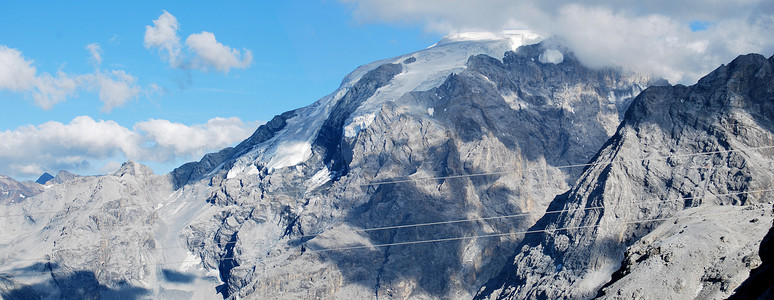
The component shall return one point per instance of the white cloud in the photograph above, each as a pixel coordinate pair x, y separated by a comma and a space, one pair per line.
202, 50
181, 140
17, 74
85, 144
650, 36
109, 167
212, 54
115, 88
55, 144
163, 35
96, 53
50, 90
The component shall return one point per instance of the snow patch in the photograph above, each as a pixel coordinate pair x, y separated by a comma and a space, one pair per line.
250, 169
430, 111
290, 154
358, 123
318, 179
189, 262
551, 56
432, 66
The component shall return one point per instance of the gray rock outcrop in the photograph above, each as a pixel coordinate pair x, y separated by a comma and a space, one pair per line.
651, 218
419, 177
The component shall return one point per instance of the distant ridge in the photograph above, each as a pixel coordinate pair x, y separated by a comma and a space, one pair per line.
62, 176
44, 178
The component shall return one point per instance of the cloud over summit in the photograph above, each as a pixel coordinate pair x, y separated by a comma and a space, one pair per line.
647, 36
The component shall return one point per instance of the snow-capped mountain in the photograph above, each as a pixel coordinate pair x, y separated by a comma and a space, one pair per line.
417, 178
312, 180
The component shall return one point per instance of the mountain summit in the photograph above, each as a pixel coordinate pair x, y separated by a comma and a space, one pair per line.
419, 177
396, 145
44, 178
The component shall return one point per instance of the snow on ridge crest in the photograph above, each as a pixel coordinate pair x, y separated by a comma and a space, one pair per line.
429, 68
516, 38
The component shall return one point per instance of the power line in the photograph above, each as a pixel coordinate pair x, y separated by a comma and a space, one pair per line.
566, 166
510, 233
651, 200
455, 238
504, 216
549, 212
379, 183
657, 200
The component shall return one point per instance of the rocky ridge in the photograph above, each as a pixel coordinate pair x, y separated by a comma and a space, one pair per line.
648, 207
12, 191
515, 115
307, 206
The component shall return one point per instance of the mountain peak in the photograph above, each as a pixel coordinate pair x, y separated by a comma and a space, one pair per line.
133, 168
44, 178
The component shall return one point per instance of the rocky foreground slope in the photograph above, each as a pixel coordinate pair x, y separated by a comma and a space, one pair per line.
674, 206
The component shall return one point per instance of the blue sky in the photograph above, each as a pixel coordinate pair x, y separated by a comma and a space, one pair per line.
300, 50
85, 85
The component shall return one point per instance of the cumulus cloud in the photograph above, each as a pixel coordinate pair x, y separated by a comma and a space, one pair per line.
17, 74
163, 35
83, 143
202, 50
178, 139
115, 88
649, 36
211, 53
29, 149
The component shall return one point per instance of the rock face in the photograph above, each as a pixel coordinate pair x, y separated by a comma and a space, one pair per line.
321, 201
297, 203
673, 206
61, 177
758, 285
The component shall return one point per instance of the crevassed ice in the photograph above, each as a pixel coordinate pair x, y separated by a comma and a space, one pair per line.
433, 65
